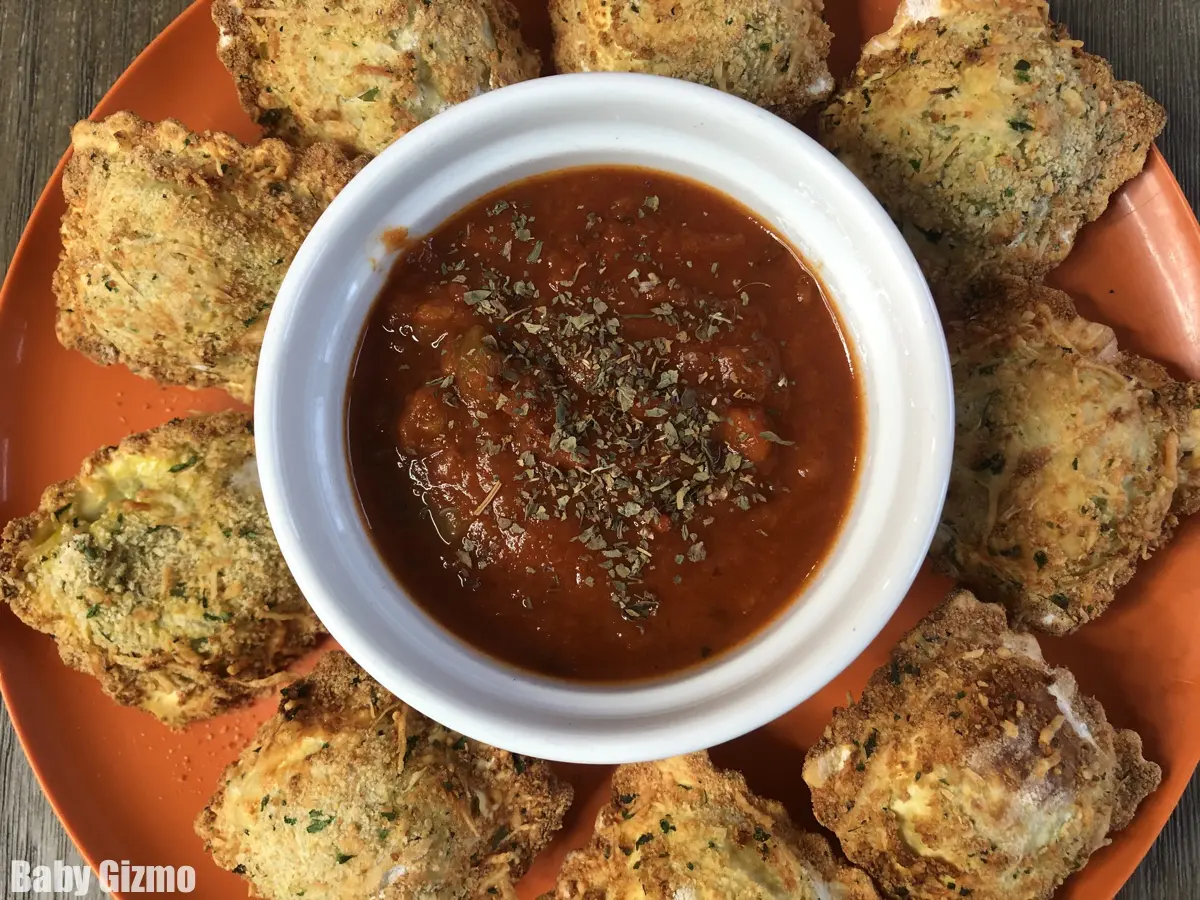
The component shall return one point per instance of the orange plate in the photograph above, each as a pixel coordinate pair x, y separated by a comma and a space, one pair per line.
126, 788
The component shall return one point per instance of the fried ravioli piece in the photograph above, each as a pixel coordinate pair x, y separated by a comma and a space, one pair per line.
971, 767
771, 52
1187, 495
1068, 461
680, 828
175, 243
989, 135
157, 572
363, 72
349, 793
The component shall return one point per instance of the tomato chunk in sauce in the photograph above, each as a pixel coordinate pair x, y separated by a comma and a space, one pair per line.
603, 424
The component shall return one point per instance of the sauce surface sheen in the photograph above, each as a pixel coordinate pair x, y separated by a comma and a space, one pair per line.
603, 424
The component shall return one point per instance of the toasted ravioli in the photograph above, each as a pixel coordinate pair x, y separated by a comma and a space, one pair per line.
175, 243
972, 768
682, 829
1067, 461
1187, 496
771, 52
157, 572
349, 793
989, 135
363, 72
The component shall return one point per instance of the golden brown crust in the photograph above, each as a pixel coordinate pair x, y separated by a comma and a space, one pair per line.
772, 53
157, 572
989, 135
681, 828
1136, 778
175, 243
970, 766
348, 792
361, 73
1068, 456
1187, 497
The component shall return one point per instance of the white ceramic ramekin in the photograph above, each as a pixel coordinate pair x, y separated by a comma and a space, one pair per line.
540, 126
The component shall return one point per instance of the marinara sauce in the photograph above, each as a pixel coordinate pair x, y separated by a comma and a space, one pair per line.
603, 424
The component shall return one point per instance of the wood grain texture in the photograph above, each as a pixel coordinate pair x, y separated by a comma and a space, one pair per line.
58, 57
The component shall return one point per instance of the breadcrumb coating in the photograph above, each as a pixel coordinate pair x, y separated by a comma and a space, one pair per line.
175, 244
989, 135
972, 768
680, 828
771, 52
363, 72
1187, 496
157, 572
1070, 460
348, 793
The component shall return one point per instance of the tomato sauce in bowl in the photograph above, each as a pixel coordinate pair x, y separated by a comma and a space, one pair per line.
603, 424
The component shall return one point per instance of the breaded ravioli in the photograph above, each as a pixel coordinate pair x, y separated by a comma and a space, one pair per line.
1071, 461
683, 829
363, 72
972, 768
349, 793
771, 52
989, 136
157, 572
1187, 495
175, 243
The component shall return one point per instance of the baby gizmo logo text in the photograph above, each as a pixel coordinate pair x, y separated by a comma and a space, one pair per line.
111, 876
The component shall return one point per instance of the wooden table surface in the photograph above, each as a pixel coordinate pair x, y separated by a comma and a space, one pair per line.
58, 57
